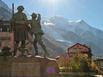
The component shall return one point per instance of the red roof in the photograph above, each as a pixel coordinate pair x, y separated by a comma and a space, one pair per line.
80, 46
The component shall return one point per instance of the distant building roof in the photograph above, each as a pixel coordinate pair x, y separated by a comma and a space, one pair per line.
81, 47
99, 59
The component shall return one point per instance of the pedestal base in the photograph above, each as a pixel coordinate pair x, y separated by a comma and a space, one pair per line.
28, 67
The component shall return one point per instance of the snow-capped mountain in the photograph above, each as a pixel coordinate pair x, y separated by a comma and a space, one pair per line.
67, 33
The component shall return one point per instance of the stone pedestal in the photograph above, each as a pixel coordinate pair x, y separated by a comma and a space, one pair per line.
28, 67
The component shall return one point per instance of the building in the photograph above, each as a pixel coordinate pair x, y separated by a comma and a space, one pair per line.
6, 35
5, 26
80, 49
99, 63
76, 51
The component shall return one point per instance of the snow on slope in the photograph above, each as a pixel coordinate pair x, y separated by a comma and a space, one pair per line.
67, 32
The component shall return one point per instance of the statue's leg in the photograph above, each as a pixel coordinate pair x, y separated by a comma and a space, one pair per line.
35, 45
42, 45
15, 47
23, 44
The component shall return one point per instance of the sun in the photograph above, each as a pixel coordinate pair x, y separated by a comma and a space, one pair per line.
52, 1
48, 2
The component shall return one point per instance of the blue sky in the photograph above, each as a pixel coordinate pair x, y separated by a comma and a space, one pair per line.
90, 11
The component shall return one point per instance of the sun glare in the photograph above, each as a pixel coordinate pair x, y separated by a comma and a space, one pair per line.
50, 2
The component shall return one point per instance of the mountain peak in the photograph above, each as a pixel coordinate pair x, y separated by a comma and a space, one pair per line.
83, 24
58, 19
80, 21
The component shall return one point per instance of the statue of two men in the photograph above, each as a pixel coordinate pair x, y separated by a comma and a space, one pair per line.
20, 28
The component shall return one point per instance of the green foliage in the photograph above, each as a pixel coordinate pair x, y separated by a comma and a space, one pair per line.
84, 67
79, 64
75, 64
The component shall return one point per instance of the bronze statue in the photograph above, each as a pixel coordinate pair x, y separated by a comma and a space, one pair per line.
1, 25
37, 32
19, 22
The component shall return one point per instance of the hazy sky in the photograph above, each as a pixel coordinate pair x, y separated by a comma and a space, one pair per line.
90, 11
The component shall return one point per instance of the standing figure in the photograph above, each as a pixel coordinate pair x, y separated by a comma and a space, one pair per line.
19, 22
1, 25
37, 32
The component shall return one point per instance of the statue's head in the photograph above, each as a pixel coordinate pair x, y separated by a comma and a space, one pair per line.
20, 8
34, 15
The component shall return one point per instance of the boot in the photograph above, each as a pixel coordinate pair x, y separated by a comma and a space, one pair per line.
45, 51
23, 44
15, 49
36, 52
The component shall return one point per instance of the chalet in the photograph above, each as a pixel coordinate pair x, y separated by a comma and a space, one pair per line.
77, 50
80, 49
